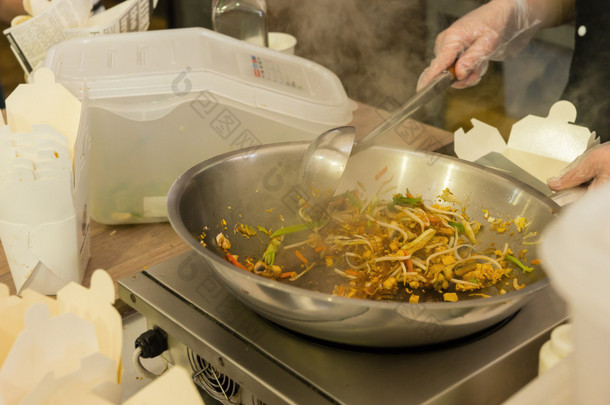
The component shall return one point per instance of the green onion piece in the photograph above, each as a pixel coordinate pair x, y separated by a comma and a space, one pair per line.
458, 226
523, 267
399, 199
261, 229
295, 228
271, 251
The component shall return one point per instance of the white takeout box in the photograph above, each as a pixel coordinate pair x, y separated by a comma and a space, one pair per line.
56, 343
43, 214
44, 146
61, 351
53, 157
542, 146
39, 231
68, 351
45, 135
12, 315
44, 102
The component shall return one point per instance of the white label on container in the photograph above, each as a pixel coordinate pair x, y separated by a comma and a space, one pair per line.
282, 75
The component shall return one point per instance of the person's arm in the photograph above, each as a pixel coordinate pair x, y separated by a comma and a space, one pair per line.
10, 9
491, 32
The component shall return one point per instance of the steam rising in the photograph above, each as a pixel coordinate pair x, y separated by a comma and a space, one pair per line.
378, 50
376, 47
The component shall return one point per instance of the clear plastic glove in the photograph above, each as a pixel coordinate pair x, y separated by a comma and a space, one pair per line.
592, 165
493, 31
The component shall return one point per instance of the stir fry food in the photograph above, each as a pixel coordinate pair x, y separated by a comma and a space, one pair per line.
383, 247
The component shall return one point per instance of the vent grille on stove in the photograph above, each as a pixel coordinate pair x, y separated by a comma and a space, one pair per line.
217, 384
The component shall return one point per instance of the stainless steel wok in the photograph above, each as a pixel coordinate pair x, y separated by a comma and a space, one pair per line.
258, 186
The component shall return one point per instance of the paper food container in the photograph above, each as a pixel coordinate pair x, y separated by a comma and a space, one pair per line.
68, 351
541, 146
43, 219
160, 102
38, 226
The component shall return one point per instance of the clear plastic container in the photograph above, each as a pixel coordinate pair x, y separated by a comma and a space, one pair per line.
160, 102
575, 252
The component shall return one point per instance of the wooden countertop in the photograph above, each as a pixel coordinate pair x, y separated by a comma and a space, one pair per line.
124, 250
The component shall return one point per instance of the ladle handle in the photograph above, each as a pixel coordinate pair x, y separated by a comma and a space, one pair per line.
438, 85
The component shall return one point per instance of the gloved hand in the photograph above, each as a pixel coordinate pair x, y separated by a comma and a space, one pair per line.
594, 165
482, 35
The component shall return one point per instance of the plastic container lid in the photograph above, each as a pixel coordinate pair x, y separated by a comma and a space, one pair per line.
181, 61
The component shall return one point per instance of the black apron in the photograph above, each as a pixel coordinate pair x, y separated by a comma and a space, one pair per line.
588, 86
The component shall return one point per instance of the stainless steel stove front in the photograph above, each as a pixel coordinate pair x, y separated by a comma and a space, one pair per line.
239, 357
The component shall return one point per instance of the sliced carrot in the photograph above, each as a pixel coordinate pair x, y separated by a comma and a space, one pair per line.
320, 248
287, 274
234, 261
434, 219
352, 272
409, 262
381, 173
300, 256
535, 261
340, 291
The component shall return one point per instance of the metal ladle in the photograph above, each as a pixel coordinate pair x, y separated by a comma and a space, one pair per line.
325, 159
